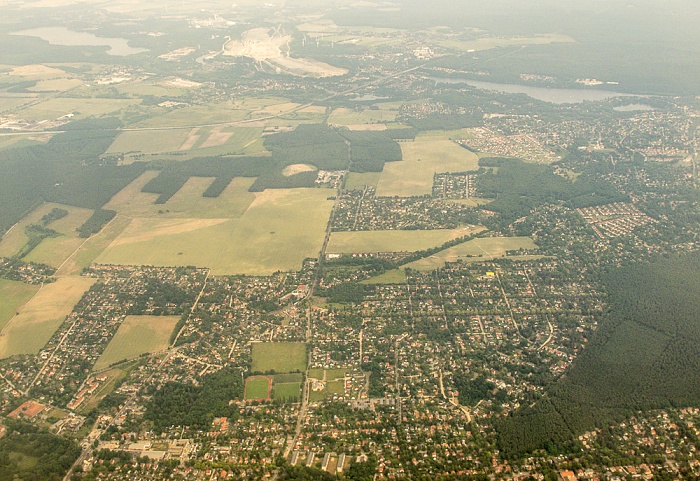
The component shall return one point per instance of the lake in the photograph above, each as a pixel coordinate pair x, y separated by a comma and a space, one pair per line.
552, 95
69, 38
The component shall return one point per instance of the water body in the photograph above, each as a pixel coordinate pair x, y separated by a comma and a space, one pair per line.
546, 94
634, 108
69, 38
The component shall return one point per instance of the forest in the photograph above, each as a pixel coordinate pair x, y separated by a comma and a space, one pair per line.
645, 355
196, 406
67, 170
30, 454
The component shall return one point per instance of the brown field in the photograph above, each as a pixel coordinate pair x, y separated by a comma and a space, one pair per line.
294, 169
279, 229
38, 71
37, 321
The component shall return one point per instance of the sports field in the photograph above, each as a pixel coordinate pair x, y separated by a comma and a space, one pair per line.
13, 296
37, 321
393, 240
422, 158
258, 388
475, 250
288, 391
277, 232
137, 335
279, 356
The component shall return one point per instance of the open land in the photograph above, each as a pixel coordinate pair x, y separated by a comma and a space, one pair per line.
138, 335
277, 232
479, 249
360, 180
421, 160
81, 107
392, 240
54, 250
14, 295
279, 356
31, 329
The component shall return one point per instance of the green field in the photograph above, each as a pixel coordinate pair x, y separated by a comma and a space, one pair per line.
137, 335
148, 141
286, 391
277, 232
257, 388
57, 107
475, 250
394, 276
358, 181
422, 158
37, 321
279, 357
392, 240
14, 295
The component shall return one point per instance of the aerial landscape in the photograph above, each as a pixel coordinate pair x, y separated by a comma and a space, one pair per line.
349, 240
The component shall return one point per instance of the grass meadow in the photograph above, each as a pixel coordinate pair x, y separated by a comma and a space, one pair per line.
279, 357
137, 335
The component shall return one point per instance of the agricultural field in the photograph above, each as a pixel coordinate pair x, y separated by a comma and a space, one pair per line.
421, 160
82, 107
257, 388
360, 180
277, 232
55, 85
14, 295
148, 141
93, 247
279, 357
392, 240
222, 113
137, 335
486, 43
475, 250
36, 322
54, 250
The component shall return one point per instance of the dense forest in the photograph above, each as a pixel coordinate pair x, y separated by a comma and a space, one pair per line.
196, 406
67, 170
645, 355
